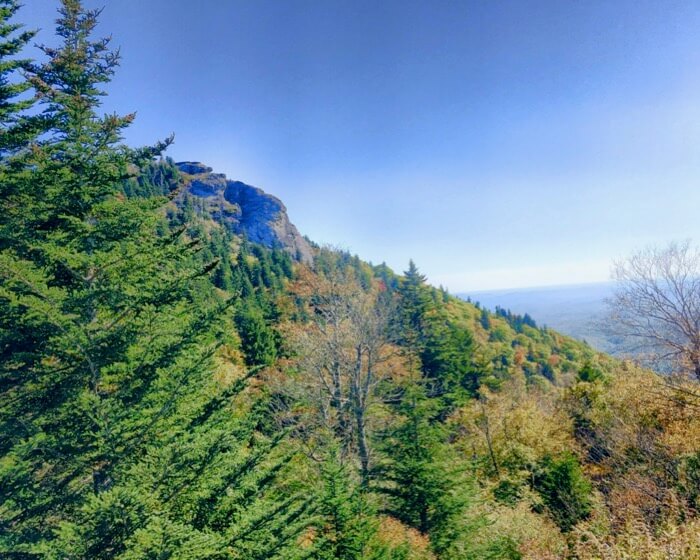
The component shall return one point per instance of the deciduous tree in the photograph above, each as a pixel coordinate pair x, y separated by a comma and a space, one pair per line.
344, 354
656, 306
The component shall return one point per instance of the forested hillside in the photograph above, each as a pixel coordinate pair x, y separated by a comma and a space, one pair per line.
170, 388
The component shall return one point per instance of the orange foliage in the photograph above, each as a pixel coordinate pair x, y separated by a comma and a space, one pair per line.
394, 533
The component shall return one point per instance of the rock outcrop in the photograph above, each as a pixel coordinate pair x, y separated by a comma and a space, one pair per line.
245, 210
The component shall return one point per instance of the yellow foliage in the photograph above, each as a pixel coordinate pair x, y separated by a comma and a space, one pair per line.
644, 401
229, 366
514, 427
537, 536
637, 542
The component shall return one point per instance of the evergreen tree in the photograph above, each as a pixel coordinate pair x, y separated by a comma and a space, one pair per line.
157, 178
443, 352
564, 489
415, 304
17, 128
589, 373
117, 437
257, 339
347, 526
421, 478
485, 320
448, 360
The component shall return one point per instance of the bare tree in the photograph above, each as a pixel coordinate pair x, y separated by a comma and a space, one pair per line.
344, 354
656, 306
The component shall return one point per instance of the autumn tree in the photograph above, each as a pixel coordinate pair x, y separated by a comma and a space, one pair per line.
344, 354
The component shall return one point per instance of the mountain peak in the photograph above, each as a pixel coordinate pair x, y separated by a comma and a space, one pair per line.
193, 167
245, 210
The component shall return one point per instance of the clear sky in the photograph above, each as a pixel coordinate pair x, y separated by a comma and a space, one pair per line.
499, 144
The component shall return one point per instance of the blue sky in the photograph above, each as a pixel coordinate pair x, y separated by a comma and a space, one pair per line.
498, 144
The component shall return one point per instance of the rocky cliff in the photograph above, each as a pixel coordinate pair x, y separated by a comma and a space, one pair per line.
245, 209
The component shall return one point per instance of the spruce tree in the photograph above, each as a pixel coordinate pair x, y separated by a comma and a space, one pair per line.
415, 304
347, 528
17, 128
119, 436
257, 338
485, 320
565, 490
441, 351
420, 476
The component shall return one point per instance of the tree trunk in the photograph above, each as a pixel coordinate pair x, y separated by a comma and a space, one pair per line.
359, 405
487, 433
362, 447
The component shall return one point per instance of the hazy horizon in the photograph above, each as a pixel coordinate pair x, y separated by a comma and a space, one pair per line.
537, 288
499, 144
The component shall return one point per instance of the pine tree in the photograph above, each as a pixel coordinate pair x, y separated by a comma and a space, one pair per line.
117, 434
425, 487
442, 352
347, 527
17, 128
485, 320
415, 304
564, 489
257, 338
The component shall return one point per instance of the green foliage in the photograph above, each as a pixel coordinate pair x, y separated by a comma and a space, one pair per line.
347, 525
118, 438
518, 322
450, 364
156, 178
17, 128
416, 302
689, 483
508, 491
257, 338
425, 487
444, 352
500, 548
485, 320
589, 373
127, 426
564, 489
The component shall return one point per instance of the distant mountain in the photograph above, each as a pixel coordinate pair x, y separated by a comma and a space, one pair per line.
575, 310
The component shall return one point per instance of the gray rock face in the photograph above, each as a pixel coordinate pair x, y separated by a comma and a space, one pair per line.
246, 210
193, 167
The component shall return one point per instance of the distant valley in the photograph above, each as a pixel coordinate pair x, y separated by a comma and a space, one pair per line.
574, 310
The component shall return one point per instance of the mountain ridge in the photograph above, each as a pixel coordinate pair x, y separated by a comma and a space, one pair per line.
245, 210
